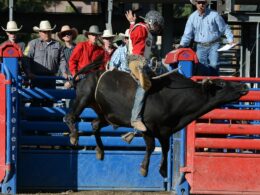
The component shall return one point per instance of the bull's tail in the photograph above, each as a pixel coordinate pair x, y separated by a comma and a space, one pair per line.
94, 65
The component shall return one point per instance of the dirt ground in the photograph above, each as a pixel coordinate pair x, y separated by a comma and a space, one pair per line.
103, 193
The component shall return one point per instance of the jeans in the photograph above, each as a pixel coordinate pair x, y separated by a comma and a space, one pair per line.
208, 58
138, 103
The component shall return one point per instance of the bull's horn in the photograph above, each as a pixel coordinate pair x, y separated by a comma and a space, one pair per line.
206, 80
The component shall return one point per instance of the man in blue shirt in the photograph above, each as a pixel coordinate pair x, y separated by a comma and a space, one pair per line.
119, 57
206, 27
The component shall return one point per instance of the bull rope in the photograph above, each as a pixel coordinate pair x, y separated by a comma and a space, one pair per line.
99, 81
166, 74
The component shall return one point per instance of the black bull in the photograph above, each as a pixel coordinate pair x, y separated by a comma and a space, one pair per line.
172, 103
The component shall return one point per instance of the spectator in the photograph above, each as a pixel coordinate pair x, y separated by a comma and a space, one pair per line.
45, 55
108, 38
12, 33
119, 57
141, 40
206, 27
86, 52
44, 58
68, 35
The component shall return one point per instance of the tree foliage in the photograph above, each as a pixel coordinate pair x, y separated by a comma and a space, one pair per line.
29, 5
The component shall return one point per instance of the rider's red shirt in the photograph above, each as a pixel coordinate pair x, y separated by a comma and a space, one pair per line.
138, 35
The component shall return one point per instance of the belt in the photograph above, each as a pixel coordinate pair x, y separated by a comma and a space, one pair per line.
207, 44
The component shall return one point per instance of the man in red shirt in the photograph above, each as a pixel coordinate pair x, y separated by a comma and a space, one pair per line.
140, 46
86, 52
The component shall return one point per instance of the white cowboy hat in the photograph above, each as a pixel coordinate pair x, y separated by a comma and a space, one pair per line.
11, 26
126, 34
194, 1
93, 30
45, 25
66, 29
107, 34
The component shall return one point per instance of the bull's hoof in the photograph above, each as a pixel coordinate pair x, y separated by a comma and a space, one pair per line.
163, 172
99, 154
143, 171
74, 139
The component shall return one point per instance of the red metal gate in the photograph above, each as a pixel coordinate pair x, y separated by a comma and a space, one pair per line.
2, 127
223, 149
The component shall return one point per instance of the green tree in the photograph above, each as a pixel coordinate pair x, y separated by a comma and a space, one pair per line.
29, 5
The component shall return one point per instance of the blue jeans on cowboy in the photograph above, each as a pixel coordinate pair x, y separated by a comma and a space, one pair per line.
208, 58
136, 118
138, 103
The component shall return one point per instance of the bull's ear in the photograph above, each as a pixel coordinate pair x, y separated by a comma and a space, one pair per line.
207, 83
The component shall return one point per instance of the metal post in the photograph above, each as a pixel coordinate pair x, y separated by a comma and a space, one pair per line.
109, 9
11, 5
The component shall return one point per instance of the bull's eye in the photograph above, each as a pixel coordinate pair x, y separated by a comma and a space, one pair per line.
222, 84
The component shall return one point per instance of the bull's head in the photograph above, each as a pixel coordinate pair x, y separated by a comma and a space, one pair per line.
226, 91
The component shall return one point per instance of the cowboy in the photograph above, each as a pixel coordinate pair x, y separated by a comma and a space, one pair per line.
86, 52
206, 27
140, 47
108, 38
68, 35
12, 33
119, 57
45, 55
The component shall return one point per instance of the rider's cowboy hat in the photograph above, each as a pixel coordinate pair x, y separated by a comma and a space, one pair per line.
11, 27
126, 34
107, 34
93, 30
45, 25
66, 29
194, 1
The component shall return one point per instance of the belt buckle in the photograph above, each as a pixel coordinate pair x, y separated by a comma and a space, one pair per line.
206, 44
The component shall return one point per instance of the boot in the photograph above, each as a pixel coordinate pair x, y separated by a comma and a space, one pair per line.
139, 125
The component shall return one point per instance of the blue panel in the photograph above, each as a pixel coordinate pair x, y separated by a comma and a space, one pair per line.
54, 94
49, 112
186, 68
108, 141
57, 126
81, 170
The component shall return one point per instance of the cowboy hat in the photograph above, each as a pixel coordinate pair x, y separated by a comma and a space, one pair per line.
107, 34
93, 30
66, 29
194, 1
45, 25
11, 26
126, 34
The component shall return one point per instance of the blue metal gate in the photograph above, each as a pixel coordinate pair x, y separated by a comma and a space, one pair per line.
45, 160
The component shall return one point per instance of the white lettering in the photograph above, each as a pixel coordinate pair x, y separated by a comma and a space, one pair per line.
13, 120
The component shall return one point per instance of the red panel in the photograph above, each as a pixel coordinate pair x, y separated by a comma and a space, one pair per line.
235, 174
251, 96
2, 127
235, 129
241, 79
10, 50
233, 114
183, 54
227, 143
216, 172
